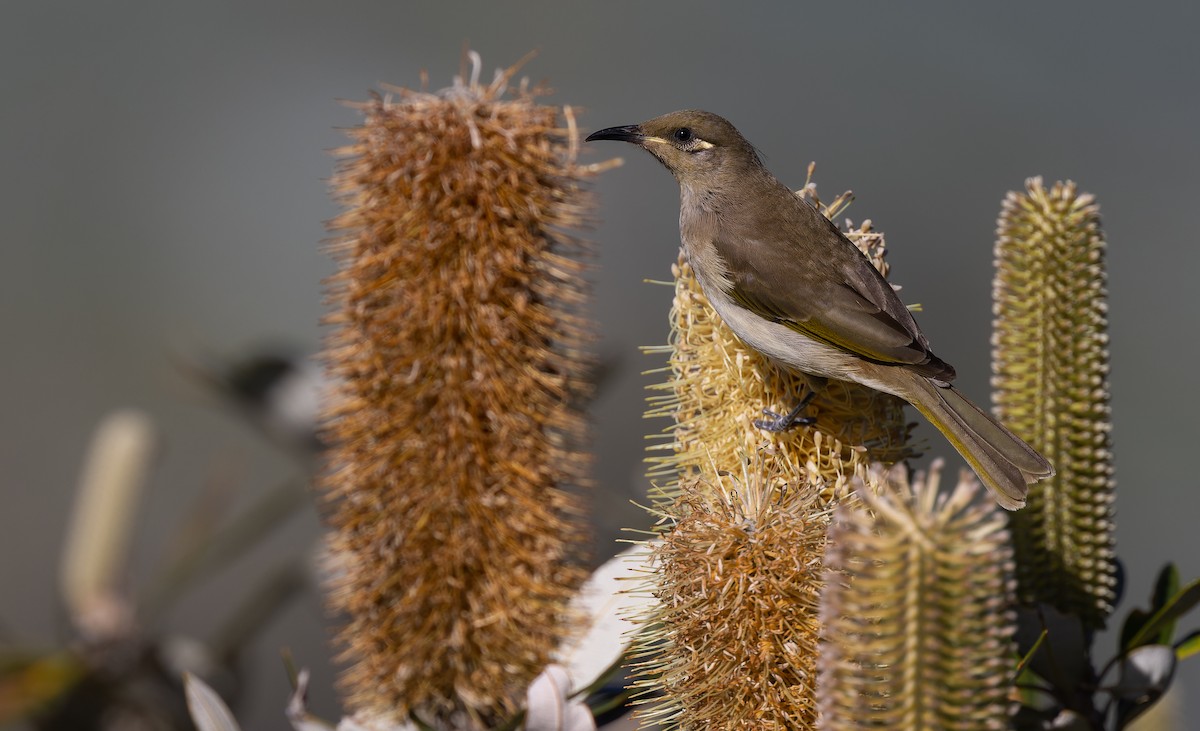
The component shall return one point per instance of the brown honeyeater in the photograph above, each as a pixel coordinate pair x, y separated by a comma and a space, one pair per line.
794, 288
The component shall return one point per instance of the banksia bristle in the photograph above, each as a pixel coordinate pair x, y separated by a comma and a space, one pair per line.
1050, 385
734, 634
918, 610
456, 428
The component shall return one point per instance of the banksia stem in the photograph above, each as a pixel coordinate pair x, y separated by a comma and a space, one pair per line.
732, 641
1050, 385
917, 611
456, 431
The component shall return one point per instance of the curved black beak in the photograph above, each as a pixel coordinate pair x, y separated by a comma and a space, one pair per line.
628, 133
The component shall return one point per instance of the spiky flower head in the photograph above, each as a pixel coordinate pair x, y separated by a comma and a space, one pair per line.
734, 635
917, 612
733, 642
456, 429
1050, 385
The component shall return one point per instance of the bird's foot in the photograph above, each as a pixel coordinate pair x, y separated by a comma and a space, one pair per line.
776, 423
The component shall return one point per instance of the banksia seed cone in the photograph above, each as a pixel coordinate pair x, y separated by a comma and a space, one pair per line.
456, 429
917, 613
1050, 385
733, 638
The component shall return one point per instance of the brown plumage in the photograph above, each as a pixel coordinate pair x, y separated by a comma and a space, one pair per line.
793, 287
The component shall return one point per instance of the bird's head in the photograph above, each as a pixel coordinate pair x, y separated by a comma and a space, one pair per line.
697, 147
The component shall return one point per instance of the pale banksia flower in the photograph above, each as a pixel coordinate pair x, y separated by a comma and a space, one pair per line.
917, 613
733, 641
1050, 354
457, 426
96, 554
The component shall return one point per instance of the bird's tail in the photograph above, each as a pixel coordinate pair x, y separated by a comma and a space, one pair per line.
1004, 462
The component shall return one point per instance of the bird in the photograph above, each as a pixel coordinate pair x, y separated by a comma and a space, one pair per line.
791, 286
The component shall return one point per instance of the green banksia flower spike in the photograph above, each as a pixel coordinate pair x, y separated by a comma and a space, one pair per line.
456, 429
732, 641
1050, 385
918, 618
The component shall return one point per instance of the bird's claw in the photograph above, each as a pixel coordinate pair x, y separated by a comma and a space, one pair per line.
776, 423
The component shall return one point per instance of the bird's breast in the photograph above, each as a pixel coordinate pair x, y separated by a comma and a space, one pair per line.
778, 342
698, 229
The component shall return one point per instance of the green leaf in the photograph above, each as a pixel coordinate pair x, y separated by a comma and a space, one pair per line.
1188, 646
1032, 651
1062, 661
1177, 606
1166, 587
1134, 621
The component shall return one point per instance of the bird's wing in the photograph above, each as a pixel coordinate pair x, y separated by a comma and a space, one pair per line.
839, 299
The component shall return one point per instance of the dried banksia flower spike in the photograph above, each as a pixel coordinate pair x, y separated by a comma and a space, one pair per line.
733, 642
918, 617
1050, 385
456, 430
744, 513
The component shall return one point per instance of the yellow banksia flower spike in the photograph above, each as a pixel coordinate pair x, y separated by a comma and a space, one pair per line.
457, 427
918, 611
1050, 385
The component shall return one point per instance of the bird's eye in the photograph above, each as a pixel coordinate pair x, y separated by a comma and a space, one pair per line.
683, 134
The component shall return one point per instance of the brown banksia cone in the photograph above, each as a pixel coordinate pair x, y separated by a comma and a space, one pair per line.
1050, 385
918, 610
456, 430
732, 640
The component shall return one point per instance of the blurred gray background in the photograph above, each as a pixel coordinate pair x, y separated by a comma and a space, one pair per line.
164, 171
